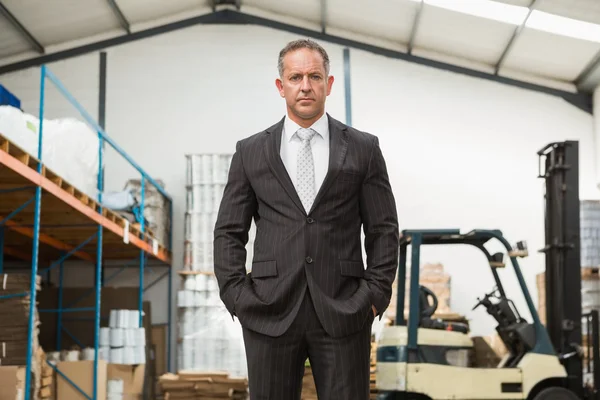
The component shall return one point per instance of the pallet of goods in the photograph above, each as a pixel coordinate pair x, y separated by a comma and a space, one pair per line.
208, 339
190, 385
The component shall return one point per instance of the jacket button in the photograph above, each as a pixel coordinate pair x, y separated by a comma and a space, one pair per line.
309, 260
310, 220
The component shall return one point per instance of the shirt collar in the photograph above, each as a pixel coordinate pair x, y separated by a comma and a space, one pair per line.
321, 126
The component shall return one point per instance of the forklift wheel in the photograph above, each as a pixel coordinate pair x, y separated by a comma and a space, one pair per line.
556, 393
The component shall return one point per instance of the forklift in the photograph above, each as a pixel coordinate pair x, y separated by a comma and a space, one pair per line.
424, 357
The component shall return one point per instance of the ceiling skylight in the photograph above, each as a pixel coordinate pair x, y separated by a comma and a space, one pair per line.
515, 15
564, 26
485, 9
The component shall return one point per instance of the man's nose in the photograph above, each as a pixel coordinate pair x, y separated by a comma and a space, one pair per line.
305, 84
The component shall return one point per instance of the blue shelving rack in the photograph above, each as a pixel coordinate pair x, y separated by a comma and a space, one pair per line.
57, 222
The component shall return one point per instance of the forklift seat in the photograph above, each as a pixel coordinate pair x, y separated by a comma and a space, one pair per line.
427, 310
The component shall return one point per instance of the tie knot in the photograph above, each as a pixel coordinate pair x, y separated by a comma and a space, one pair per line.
305, 134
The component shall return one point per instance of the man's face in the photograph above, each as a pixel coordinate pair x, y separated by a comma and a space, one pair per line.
305, 85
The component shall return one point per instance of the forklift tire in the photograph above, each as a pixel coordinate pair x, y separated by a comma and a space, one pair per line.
556, 393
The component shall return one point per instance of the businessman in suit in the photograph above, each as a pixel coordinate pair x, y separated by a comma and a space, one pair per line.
310, 183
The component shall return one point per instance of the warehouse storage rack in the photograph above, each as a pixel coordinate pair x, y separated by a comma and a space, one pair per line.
64, 222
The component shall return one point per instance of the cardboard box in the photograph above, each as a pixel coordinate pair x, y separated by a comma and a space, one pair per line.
488, 351
12, 382
80, 373
132, 377
159, 340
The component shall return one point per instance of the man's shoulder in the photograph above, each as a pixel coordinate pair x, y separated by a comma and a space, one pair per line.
257, 138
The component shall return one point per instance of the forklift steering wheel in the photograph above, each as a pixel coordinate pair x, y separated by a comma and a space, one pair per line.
427, 310
485, 301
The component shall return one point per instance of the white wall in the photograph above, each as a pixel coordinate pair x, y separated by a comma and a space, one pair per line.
461, 152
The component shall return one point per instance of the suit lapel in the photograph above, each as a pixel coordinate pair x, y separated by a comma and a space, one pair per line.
338, 146
273, 156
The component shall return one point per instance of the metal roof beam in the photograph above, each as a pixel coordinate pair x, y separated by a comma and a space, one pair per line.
415, 27
587, 71
513, 38
323, 15
120, 16
22, 30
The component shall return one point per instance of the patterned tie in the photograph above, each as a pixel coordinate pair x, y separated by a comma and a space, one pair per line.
306, 169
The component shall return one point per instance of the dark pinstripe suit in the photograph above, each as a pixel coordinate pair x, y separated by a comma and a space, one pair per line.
296, 253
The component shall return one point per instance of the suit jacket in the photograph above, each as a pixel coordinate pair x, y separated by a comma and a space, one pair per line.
294, 250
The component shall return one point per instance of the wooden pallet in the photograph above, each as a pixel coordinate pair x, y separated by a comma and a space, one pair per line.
67, 205
186, 272
590, 273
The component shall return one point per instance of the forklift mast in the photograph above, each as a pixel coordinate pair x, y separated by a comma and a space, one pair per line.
559, 167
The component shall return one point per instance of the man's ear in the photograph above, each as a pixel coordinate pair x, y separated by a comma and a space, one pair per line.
279, 85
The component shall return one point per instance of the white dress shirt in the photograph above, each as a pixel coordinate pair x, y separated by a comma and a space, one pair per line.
290, 144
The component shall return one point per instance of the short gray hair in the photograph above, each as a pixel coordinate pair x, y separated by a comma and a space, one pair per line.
303, 44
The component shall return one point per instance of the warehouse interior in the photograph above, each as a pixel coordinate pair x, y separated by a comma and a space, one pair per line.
143, 102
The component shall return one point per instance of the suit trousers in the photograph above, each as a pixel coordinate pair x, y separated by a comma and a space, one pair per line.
340, 366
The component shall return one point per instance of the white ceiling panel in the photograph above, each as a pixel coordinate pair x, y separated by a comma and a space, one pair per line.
584, 10
546, 54
462, 35
392, 22
309, 10
522, 3
59, 21
137, 11
11, 40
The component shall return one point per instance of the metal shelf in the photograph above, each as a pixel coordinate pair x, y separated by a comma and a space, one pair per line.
46, 220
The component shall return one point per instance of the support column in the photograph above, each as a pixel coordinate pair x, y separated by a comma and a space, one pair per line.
596, 114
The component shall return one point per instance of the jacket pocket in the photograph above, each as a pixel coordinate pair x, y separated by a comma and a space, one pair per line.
352, 268
264, 269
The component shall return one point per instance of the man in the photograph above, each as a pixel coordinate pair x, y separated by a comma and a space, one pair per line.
309, 182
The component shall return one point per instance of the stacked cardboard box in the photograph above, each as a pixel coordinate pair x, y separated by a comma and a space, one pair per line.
209, 385
47, 383
14, 323
541, 289
590, 292
14, 318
